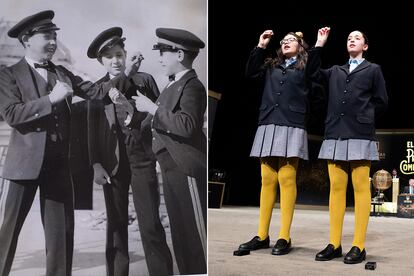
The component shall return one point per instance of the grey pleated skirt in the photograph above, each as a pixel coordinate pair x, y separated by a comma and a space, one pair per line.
348, 150
281, 141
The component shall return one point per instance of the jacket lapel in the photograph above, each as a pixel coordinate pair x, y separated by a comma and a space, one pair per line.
361, 67
109, 108
22, 70
173, 92
61, 76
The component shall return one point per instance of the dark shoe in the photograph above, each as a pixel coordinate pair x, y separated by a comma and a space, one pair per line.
329, 253
281, 247
255, 244
355, 256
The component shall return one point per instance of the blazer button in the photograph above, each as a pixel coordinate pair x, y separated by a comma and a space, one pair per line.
130, 128
281, 82
153, 138
343, 102
38, 129
168, 131
347, 80
37, 115
284, 72
345, 91
277, 105
342, 114
278, 93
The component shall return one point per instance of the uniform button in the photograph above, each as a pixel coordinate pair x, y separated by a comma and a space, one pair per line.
152, 129
347, 80
344, 102
130, 128
345, 91
168, 131
114, 131
277, 105
57, 125
54, 108
37, 115
278, 93
56, 117
342, 114
152, 120
158, 103
281, 82
38, 129
153, 138
284, 72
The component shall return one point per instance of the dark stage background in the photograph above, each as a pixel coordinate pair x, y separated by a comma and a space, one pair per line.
233, 32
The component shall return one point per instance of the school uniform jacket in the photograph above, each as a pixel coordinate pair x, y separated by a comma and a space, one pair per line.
285, 99
103, 127
27, 109
177, 125
355, 99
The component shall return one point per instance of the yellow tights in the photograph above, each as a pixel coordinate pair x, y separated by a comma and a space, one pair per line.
276, 170
338, 175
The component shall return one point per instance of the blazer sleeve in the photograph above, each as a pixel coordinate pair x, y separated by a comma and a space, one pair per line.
12, 108
98, 90
313, 69
380, 96
255, 64
149, 88
187, 117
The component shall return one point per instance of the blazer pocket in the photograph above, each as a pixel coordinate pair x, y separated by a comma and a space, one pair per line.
299, 109
363, 119
297, 114
264, 111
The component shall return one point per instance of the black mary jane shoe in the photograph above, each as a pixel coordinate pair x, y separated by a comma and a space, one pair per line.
255, 244
355, 255
282, 247
329, 253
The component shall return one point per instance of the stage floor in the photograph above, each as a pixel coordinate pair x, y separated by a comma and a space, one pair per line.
389, 243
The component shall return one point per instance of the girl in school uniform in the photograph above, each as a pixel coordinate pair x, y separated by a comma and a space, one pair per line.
357, 94
281, 138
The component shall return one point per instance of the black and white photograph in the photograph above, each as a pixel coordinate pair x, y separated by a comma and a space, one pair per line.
103, 137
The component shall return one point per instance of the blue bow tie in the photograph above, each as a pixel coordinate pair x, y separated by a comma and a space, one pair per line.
354, 61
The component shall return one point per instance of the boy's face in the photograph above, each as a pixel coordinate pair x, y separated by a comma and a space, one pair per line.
113, 59
42, 45
356, 43
169, 61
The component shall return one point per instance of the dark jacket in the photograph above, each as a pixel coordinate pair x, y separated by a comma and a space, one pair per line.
103, 128
354, 99
27, 109
285, 95
178, 124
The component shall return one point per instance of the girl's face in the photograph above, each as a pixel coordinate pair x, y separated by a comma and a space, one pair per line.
290, 46
356, 43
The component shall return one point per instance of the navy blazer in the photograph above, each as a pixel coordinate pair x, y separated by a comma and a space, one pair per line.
355, 99
178, 123
26, 110
103, 141
285, 98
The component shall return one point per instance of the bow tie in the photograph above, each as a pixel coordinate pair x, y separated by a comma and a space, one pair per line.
354, 61
47, 66
171, 77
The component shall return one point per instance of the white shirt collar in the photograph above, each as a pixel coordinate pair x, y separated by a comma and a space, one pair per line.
179, 75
